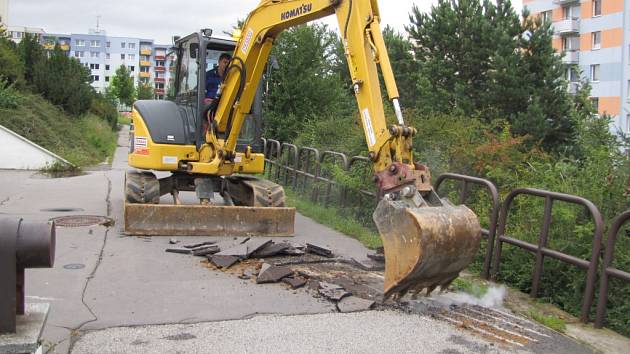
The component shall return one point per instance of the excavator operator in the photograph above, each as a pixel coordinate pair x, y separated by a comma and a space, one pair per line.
215, 76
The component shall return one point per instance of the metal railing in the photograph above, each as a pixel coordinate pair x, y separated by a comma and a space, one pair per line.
307, 170
608, 270
541, 250
493, 192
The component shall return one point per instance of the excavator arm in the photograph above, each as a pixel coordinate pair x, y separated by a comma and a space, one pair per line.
427, 240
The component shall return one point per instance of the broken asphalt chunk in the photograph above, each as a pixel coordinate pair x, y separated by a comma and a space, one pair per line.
354, 304
197, 245
295, 283
378, 257
239, 251
319, 250
223, 262
173, 241
272, 274
204, 251
332, 291
368, 266
179, 250
271, 250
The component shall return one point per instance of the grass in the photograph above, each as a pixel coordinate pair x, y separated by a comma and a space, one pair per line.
469, 286
334, 218
84, 141
550, 321
123, 119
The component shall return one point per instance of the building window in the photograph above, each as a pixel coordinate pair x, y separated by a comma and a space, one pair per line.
95, 78
122, 56
107, 56
122, 44
596, 40
595, 104
132, 57
95, 54
546, 16
106, 78
595, 75
132, 46
79, 54
106, 66
132, 68
628, 123
95, 66
570, 43
80, 43
597, 8
109, 44
159, 63
95, 44
144, 69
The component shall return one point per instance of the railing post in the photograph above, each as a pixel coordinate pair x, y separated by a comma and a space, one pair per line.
542, 243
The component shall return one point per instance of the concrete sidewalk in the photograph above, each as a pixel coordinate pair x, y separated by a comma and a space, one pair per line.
106, 288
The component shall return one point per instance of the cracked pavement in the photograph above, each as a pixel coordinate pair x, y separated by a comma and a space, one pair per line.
128, 294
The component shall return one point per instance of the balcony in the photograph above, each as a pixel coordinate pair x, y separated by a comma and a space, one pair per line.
51, 46
571, 57
145, 63
564, 2
159, 91
573, 87
160, 57
567, 26
145, 51
145, 74
159, 69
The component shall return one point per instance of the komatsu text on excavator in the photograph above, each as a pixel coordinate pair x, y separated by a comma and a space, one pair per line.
208, 147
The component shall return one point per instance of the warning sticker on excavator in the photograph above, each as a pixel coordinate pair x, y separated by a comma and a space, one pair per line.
140, 142
247, 41
367, 123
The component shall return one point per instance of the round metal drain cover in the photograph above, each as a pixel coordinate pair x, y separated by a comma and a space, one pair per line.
82, 221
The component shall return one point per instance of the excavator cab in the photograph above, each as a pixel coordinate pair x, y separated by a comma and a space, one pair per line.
197, 54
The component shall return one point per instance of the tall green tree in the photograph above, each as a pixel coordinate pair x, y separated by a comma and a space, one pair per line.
122, 86
63, 81
31, 54
303, 87
144, 91
406, 68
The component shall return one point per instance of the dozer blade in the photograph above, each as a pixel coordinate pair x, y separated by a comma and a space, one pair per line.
425, 246
207, 220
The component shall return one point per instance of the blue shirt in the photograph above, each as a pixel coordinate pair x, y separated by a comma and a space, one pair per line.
213, 80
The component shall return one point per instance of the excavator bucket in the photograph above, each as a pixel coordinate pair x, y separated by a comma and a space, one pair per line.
425, 246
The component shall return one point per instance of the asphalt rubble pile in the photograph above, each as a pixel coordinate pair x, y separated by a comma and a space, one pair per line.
266, 261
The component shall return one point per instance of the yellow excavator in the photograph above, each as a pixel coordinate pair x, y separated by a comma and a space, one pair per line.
211, 148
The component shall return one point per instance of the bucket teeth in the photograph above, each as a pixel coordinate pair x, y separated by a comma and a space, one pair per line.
427, 246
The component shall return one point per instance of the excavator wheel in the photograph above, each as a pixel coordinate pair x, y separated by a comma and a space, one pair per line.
142, 188
254, 192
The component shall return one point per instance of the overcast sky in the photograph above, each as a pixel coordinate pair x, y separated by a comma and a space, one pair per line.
161, 19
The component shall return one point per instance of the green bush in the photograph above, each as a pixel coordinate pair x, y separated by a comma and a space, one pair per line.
9, 97
103, 108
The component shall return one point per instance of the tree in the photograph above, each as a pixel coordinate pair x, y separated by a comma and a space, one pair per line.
478, 59
145, 91
63, 81
122, 86
303, 88
406, 68
31, 54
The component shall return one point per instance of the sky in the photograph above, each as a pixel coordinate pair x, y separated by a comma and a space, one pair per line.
162, 19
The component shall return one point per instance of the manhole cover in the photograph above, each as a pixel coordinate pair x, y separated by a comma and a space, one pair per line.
74, 266
61, 210
82, 221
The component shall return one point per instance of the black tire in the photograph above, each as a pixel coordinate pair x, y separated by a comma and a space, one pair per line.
142, 188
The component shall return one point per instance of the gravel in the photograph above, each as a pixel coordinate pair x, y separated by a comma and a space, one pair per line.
365, 332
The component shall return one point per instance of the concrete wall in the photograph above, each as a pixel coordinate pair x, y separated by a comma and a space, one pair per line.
20, 154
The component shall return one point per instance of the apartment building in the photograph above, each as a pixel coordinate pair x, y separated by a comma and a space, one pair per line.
104, 54
593, 40
16, 33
